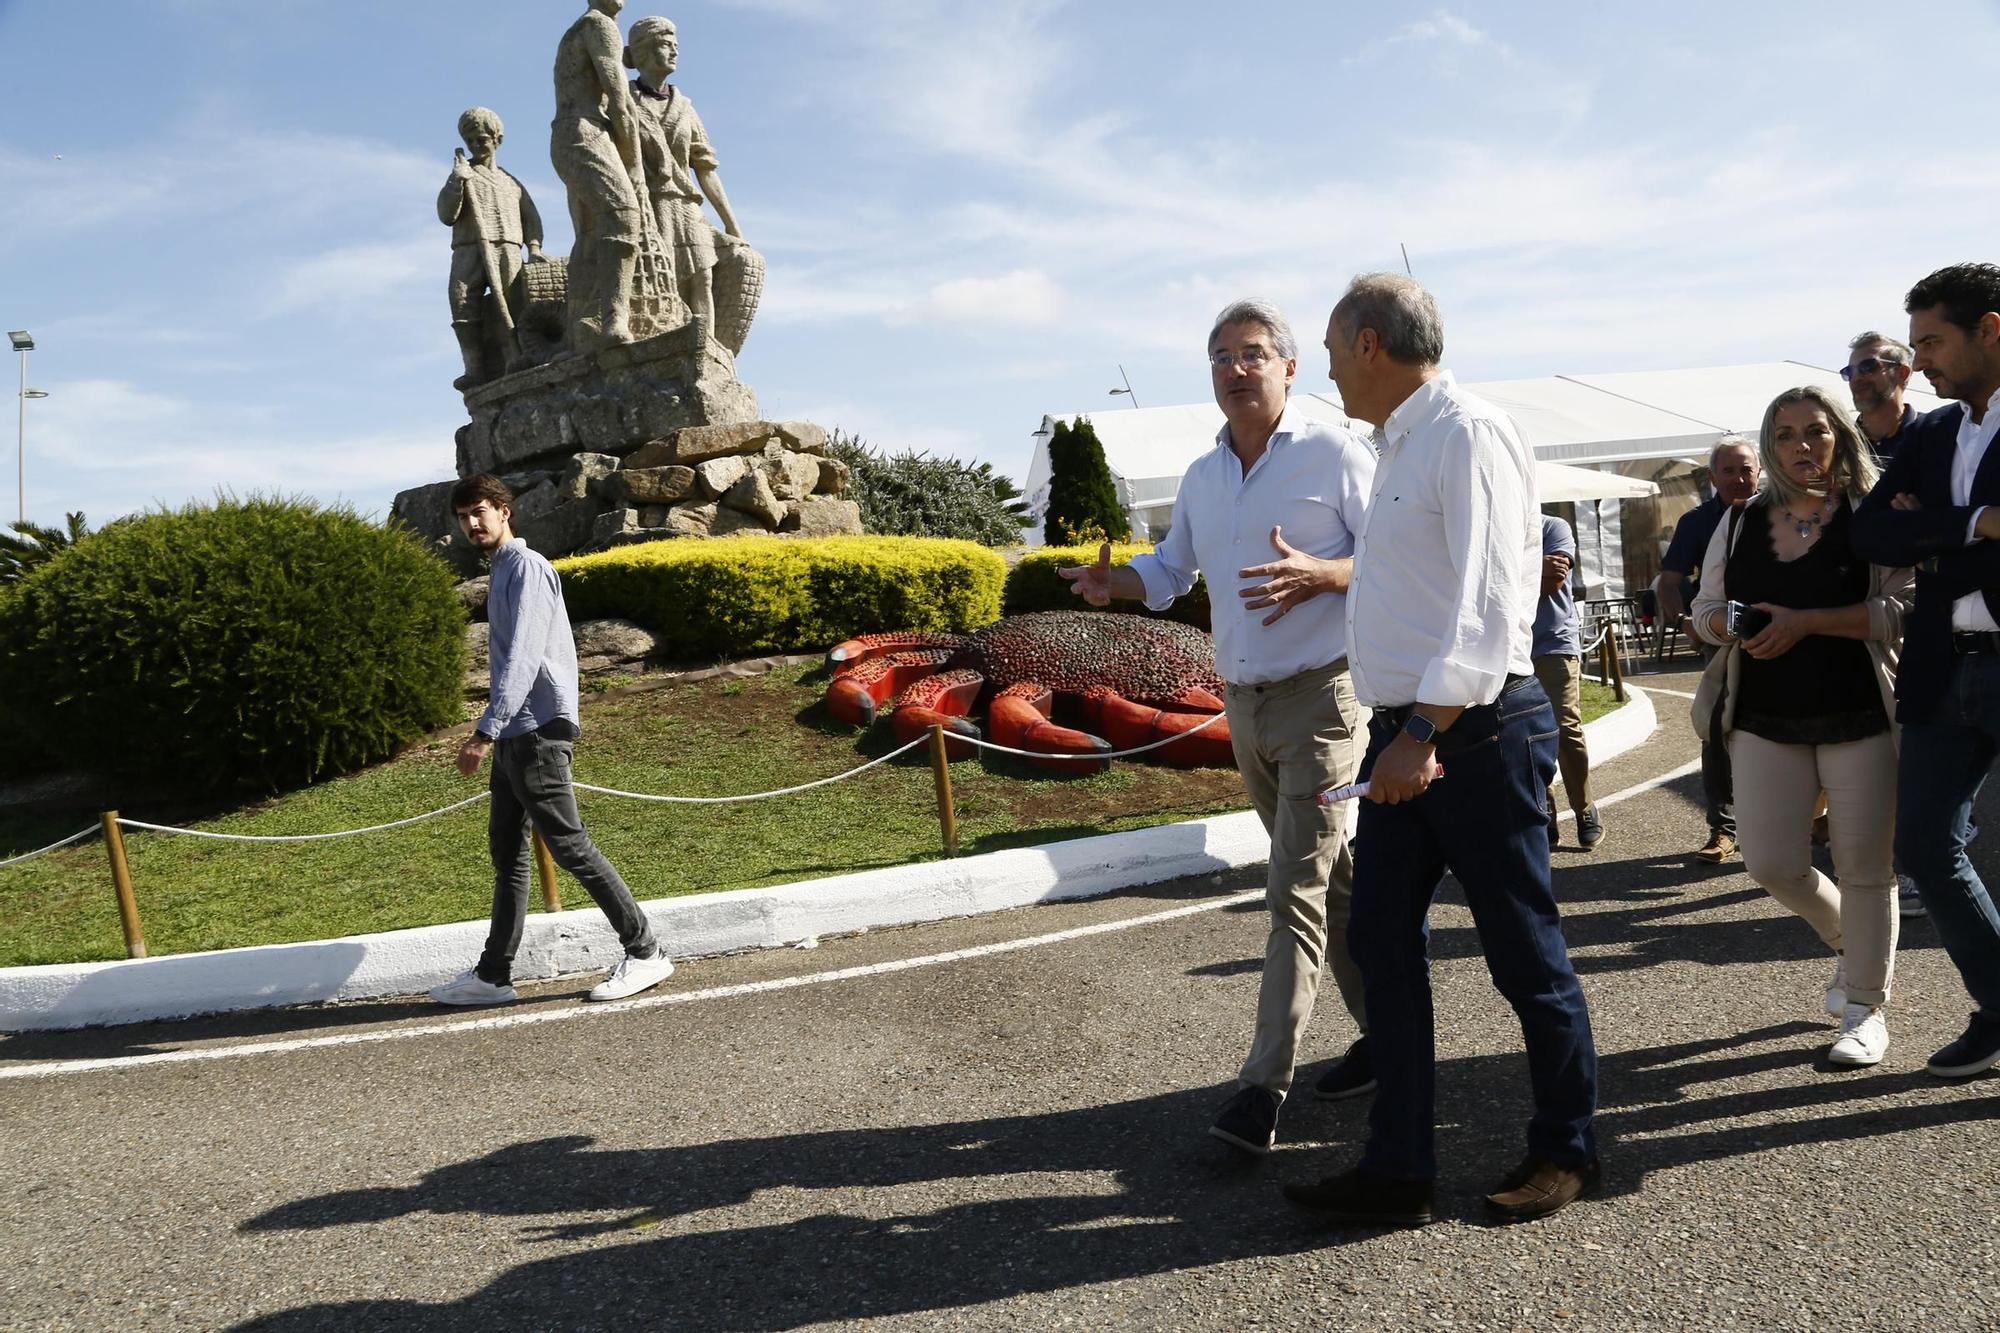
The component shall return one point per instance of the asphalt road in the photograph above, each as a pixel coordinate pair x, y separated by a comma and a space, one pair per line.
1015, 1138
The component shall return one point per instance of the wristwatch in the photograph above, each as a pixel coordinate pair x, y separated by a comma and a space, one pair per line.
1421, 729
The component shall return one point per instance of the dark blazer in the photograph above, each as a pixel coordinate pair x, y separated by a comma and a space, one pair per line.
1933, 540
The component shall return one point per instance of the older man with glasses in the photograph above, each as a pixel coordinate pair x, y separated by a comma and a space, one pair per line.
1278, 482
1877, 372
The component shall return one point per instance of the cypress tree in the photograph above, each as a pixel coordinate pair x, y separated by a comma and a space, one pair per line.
1083, 499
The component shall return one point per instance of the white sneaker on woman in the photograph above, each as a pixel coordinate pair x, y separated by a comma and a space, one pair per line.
1836, 990
1864, 1037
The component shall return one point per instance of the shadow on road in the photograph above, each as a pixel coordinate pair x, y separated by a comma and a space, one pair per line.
1068, 1199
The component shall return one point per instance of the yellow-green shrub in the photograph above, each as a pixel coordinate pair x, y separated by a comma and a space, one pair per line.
736, 595
1034, 585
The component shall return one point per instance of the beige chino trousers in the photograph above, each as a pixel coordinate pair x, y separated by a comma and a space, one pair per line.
1777, 787
1561, 675
1294, 738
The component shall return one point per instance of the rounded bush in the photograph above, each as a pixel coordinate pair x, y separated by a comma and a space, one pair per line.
261, 643
1034, 585
730, 596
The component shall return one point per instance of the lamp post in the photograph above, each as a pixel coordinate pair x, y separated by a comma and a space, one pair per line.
1127, 390
24, 345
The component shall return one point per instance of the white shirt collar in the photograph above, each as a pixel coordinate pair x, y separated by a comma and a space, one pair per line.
1419, 405
1290, 422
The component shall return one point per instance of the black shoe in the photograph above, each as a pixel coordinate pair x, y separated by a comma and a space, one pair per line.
1589, 828
1366, 1200
1353, 1075
1249, 1121
1536, 1188
1974, 1053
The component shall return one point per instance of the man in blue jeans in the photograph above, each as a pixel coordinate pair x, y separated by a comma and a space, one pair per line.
1447, 572
530, 730
1938, 508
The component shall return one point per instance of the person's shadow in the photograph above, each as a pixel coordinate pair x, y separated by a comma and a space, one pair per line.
962, 1213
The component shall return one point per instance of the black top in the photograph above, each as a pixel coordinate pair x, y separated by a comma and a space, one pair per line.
1823, 691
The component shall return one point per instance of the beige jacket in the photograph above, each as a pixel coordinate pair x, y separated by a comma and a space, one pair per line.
1890, 592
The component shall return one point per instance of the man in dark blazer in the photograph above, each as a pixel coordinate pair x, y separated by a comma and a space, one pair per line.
1938, 508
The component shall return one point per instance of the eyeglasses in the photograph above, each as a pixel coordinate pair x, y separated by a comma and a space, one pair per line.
1250, 358
1868, 365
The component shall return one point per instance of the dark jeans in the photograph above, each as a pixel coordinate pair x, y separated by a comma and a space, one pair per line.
1944, 762
1718, 784
531, 785
1483, 821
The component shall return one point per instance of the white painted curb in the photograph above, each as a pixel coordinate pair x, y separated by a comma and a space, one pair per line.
407, 962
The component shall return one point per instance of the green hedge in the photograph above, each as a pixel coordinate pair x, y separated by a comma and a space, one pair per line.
736, 595
1034, 585
261, 643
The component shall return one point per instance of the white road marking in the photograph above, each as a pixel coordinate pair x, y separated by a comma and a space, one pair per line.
55, 1068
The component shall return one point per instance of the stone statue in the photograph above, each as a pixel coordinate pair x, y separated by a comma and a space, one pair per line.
491, 217
680, 169
594, 146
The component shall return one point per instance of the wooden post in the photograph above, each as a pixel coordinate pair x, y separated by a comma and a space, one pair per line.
1614, 667
121, 881
545, 870
941, 771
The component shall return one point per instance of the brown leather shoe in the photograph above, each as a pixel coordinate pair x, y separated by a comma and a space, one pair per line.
1535, 1188
1719, 848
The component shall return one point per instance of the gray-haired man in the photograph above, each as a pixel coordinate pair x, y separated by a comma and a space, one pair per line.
1877, 372
1276, 480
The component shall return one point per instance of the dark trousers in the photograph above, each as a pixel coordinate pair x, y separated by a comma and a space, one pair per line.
531, 786
1943, 764
1482, 821
1718, 784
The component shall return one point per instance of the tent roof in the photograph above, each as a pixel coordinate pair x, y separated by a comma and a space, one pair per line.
1575, 419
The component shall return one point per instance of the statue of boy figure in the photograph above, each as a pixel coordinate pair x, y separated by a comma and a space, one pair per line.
491, 217
680, 171
594, 148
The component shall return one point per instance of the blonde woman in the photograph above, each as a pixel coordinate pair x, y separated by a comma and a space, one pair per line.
1812, 632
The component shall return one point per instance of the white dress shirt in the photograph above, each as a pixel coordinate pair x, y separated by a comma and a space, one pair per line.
1312, 481
1448, 569
1969, 612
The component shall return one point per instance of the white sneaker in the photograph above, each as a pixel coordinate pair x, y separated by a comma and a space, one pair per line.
1836, 990
1864, 1037
470, 988
633, 975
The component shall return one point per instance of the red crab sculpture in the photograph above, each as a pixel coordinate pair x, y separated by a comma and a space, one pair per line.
1124, 680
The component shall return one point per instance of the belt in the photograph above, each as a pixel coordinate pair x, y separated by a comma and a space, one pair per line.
1396, 717
1968, 642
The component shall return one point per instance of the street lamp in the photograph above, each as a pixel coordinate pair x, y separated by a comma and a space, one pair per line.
1127, 390
24, 345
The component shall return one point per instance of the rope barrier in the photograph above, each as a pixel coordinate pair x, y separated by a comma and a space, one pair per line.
300, 837
1593, 645
754, 796
1091, 758
44, 851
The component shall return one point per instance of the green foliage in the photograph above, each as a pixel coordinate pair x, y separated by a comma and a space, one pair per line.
261, 643
1083, 499
30, 545
918, 495
738, 595
1034, 585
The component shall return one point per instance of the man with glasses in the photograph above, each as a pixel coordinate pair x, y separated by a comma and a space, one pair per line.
1877, 372
1276, 480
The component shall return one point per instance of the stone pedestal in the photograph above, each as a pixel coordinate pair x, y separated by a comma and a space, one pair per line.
605, 402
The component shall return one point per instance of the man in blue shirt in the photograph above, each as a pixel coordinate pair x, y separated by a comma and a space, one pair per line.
1732, 470
1558, 657
1877, 372
530, 729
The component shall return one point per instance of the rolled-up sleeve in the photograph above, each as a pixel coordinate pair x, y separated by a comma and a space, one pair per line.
1480, 497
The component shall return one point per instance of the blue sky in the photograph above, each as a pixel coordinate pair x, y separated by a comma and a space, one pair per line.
216, 216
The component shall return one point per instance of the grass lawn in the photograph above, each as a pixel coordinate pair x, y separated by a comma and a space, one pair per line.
713, 738
1597, 700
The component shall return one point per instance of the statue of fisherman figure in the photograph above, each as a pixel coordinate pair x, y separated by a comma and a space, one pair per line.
595, 150
680, 172
491, 217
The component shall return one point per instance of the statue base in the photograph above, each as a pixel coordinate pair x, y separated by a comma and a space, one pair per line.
610, 401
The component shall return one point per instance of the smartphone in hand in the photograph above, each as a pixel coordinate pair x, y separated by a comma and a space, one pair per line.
1746, 621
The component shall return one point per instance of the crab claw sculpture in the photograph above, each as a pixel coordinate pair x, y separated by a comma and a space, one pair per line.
1125, 681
